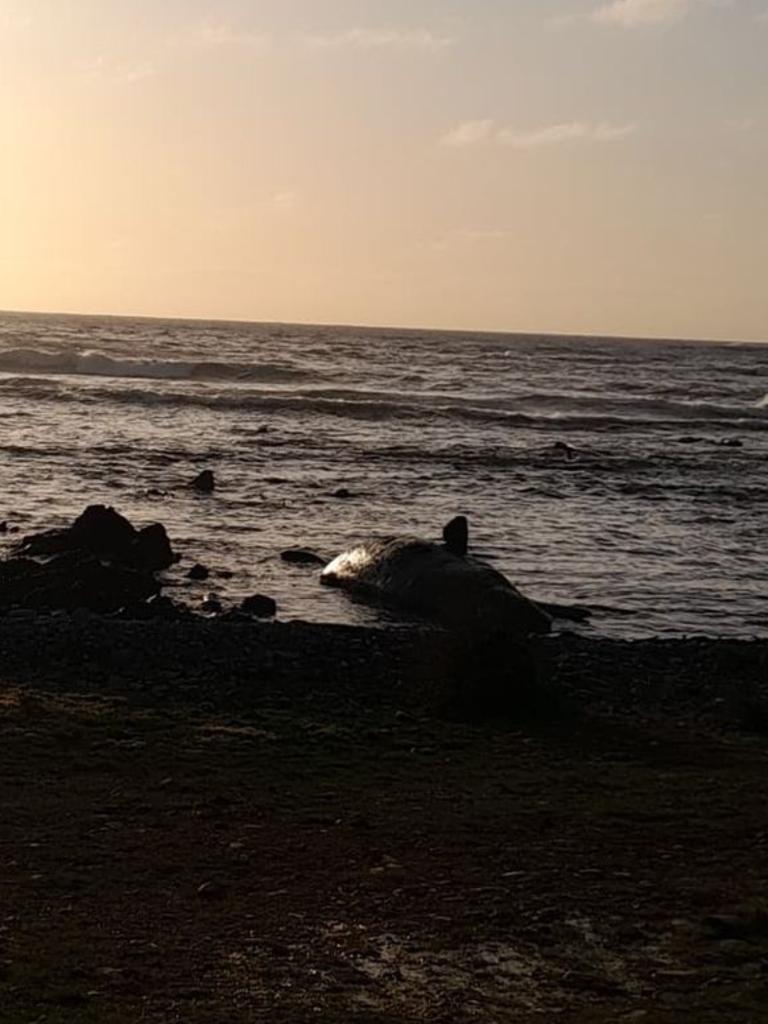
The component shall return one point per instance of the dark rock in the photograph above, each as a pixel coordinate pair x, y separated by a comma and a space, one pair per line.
198, 572
456, 536
341, 492
731, 442
211, 604
204, 482
102, 531
3, 527
100, 563
260, 605
263, 429
151, 550
301, 556
74, 580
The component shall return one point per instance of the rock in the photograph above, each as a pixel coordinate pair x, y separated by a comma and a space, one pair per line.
341, 492
263, 429
210, 604
204, 482
100, 563
198, 572
301, 556
456, 536
99, 530
731, 442
73, 580
260, 605
151, 550
3, 527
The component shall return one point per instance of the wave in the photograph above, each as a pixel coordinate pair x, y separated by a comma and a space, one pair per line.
92, 362
537, 411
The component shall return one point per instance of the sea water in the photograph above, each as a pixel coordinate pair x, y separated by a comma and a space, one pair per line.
631, 476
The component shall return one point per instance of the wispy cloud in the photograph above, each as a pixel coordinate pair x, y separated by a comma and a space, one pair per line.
217, 33
380, 39
471, 133
637, 13
117, 72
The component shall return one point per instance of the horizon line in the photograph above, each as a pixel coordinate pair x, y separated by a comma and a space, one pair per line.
661, 338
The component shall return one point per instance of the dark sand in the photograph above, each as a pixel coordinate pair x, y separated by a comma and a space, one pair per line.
212, 822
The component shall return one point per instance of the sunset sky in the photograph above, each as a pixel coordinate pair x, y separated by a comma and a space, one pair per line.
577, 166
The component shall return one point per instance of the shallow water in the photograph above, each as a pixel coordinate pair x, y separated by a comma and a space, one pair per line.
655, 518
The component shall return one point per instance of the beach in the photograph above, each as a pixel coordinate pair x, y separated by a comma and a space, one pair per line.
218, 821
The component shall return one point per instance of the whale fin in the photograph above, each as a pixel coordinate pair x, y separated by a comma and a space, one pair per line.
456, 536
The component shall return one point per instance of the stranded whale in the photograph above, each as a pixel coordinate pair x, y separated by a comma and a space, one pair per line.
437, 580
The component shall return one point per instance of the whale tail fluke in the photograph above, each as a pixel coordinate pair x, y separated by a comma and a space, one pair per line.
456, 536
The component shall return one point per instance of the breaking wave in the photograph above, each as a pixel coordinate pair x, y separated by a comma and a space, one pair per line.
91, 362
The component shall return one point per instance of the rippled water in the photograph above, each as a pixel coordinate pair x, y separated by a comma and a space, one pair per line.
657, 517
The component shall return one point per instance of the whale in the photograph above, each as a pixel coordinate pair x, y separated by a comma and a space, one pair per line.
438, 581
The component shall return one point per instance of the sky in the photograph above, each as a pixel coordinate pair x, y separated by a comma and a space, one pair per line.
569, 166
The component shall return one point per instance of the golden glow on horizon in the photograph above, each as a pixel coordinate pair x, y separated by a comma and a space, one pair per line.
571, 166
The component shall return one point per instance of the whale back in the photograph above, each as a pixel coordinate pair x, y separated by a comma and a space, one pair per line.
430, 579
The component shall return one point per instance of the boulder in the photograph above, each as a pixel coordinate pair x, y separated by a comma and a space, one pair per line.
151, 550
260, 605
198, 572
100, 563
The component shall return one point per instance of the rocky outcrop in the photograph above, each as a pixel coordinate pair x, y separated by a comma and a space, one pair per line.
100, 563
108, 536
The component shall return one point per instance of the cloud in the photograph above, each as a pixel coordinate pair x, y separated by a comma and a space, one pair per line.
218, 33
570, 131
380, 39
117, 72
636, 13
474, 132
469, 133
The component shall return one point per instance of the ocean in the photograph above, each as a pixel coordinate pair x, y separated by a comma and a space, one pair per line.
630, 476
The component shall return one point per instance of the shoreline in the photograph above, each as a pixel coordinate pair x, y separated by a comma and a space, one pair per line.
722, 681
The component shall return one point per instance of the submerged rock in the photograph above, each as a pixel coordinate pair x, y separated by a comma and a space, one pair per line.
204, 482
198, 572
301, 556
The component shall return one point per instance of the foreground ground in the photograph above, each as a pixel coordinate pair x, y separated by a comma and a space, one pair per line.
231, 824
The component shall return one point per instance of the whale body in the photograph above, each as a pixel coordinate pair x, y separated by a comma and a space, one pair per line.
439, 581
